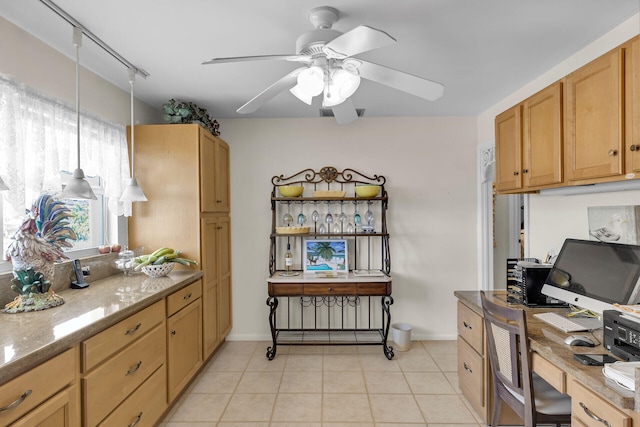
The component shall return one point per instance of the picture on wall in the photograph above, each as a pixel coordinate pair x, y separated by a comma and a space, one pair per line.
614, 224
325, 255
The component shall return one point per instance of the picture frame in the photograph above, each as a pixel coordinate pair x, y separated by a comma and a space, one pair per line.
614, 224
326, 256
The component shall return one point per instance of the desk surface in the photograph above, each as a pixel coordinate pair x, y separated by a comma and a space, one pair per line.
548, 342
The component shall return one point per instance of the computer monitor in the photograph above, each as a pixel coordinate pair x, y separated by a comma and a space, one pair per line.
594, 275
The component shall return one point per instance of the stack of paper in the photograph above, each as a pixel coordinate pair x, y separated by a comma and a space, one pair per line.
623, 373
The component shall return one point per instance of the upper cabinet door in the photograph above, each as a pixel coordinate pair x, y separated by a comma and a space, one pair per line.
593, 119
542, 138
214, 173
508, 150
207, 172
222, 176
632, 108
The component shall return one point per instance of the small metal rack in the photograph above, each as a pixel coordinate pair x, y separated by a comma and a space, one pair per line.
345, 310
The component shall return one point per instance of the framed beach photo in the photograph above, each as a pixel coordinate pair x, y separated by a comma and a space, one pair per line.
326, 255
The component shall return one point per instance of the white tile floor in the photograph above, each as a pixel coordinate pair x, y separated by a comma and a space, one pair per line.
314, 386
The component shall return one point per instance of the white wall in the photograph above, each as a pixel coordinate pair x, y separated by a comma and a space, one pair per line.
429, 164
40, 67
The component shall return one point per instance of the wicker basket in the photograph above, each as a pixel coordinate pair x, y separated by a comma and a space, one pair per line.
158, 270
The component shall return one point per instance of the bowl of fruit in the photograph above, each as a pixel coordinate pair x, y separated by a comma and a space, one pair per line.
161, 262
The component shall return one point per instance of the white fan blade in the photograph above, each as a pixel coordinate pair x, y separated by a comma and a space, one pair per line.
360, 39
291, 58
345, 112
405, 82
285, 83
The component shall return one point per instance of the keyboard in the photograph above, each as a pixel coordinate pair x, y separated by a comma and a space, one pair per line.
565, 324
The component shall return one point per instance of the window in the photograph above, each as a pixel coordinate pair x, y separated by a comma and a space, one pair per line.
38, 137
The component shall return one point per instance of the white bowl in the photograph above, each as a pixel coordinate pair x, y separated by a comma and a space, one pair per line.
158, 270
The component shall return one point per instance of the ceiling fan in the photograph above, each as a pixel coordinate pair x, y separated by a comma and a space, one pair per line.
329, 68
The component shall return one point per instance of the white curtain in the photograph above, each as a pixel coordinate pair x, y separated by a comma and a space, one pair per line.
38, 139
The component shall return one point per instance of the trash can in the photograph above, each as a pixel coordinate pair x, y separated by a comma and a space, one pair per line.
401, 334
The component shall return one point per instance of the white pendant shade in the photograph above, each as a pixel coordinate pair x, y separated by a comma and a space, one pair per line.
78, 187
133, 193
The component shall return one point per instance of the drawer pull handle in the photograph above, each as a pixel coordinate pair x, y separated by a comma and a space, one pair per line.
134, 369
17, 402
466, 325
634, 147
594, 416
173, 332
136, 421
187, 296
467, 368
133, 330
613, 153
330, 289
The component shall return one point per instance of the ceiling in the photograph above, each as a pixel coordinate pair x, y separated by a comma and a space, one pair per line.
481, 50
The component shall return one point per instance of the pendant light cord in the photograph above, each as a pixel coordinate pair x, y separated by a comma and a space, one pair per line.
132, 79
77, 42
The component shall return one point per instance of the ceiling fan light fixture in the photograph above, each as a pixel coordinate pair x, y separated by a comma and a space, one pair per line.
344, 83
311, 80
301, 94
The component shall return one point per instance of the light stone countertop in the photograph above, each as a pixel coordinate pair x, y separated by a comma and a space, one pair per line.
27, 339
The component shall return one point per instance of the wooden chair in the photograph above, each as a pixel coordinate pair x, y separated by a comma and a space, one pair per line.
514, 383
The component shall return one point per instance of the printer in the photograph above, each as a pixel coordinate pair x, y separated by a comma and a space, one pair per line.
621, 335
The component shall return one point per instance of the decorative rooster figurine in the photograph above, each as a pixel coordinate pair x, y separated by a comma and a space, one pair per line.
36, 246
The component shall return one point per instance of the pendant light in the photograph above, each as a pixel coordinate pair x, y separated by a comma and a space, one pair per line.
132, 192
78, 187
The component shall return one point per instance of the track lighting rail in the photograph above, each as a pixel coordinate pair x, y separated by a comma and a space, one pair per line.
71, 20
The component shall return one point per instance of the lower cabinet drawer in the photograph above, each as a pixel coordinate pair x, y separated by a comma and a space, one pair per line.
28, 391
145, 406
60, 410
471, 375
330, 289
549, 372
471, 327
590, 410
374, 289
106, 386
100, 346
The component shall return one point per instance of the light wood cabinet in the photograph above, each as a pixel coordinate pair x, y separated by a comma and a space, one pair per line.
542, 138
216, 300
632, 108
529, 143
109, 384
144, 407
60, 410
184, 338
108, 342
509, 149
474, 367
46, 390
591, 410
184, 171
593, 111
214, 167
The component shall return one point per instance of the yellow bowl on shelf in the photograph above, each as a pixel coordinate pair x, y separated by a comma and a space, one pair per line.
290, 190
367, 190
